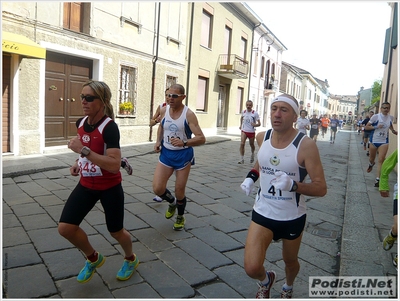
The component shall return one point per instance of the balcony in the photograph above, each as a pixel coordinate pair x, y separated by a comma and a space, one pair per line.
272, 88
232, 66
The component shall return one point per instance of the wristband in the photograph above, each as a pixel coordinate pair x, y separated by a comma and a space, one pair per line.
253, 174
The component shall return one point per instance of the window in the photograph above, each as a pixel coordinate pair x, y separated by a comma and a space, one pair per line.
227, 41
239, 100
128, 88
76, 16
202, 87
170, 80
206, 28
267, 70
243, 48
262, 67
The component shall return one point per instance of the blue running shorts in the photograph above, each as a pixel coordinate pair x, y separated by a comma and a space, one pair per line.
177, 159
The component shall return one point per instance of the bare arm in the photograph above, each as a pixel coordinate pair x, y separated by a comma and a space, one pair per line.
111, 161
156, 117
160, 131
308, 156
241, 121
198, 138
256, 124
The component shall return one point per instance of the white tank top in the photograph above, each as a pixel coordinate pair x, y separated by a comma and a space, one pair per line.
175, 128
272, 203
381, 135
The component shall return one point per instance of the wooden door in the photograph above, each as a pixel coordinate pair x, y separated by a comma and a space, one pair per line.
64, 78
6, 104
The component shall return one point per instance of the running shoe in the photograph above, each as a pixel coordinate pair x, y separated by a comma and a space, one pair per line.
157, 199
376, 183
369, 169
286, 294
127, 166
241, 162
170, 211
388, 241
264, 291
88, 270
395, 262
252, 158
180, 223
127, 269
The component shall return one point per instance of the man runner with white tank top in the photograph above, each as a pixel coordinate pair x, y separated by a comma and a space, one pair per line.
284, 159
178, 132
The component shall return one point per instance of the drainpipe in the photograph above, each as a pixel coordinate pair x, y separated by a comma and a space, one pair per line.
251, 62
154, 61
189, 54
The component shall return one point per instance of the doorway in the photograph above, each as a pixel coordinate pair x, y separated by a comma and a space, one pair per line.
64, 78
221, 106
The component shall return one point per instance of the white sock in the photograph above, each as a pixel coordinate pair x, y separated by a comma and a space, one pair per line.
266, 280
286, 287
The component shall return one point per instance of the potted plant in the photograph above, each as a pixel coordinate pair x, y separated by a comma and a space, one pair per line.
125, 108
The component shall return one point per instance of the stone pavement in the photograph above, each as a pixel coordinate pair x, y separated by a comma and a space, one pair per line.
343, 234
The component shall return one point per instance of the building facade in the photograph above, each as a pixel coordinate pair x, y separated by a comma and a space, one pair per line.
390, 80
137, 48
265, 73
221, 37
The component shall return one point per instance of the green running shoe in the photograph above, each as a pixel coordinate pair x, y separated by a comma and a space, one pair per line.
127, 269
88, 270
170, 211
180, 223
388, 242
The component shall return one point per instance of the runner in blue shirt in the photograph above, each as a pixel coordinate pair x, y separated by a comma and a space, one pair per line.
334, 126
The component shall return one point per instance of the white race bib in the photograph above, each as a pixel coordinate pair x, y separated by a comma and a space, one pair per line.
88, 168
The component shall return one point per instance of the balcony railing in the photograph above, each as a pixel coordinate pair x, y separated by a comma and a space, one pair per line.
272, 87
232, 66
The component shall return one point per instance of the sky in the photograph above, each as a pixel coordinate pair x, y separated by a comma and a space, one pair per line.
341, 41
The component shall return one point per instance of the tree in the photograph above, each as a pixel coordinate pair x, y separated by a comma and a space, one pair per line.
376, 91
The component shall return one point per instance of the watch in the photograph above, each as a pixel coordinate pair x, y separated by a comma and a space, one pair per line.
85, 151
294, 186
184, 143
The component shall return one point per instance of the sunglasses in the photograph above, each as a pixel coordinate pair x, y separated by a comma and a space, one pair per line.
88, 98
386, 108
174, 95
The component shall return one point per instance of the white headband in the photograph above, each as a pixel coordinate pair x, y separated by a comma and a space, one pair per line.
288, 100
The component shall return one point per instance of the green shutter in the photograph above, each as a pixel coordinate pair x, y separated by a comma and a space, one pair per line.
395, 27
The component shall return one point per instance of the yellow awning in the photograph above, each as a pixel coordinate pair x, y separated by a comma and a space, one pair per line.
21, 45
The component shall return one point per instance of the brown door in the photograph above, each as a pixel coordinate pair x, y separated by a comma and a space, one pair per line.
6, 104
64, 78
